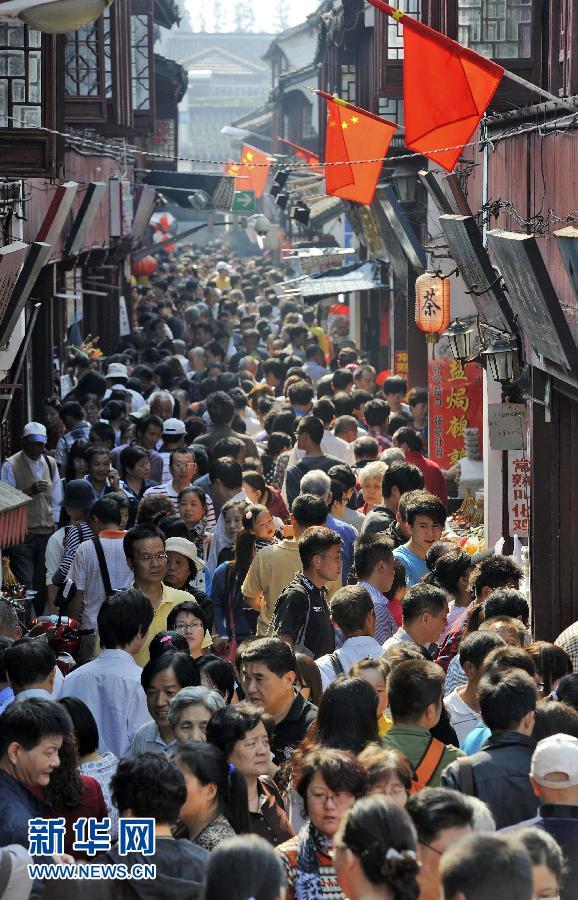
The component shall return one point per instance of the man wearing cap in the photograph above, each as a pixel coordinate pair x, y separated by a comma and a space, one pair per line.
173, 438
117, 377
35, 474
554, 777
221, 276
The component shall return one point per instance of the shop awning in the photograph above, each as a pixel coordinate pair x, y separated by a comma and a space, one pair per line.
177, 187
13, 515
359, 277
259, 119
387, 233
475, 266
533, 297
324, 211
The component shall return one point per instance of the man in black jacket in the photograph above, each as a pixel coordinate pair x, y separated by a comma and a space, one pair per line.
499, 773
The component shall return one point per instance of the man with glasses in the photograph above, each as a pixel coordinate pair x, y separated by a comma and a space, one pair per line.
183, 468
144, 548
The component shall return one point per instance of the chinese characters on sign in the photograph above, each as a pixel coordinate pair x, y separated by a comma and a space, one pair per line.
519, 493
455, 403
91, 836
401, 364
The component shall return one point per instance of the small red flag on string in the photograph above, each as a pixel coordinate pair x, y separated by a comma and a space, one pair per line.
446, 89
354, 134
253, 171
306, 155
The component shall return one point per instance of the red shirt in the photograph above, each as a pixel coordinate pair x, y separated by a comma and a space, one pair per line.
433, 476
91, 805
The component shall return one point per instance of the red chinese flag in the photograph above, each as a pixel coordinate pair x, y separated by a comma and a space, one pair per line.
255, 167
446, 89
307, 156
354, 134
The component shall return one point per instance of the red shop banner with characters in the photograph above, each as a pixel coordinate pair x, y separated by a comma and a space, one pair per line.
455, 403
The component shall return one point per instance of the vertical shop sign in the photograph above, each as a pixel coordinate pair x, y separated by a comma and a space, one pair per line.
455, 403
401, 366
519, 492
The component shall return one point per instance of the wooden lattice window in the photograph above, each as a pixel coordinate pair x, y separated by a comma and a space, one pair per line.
21, 89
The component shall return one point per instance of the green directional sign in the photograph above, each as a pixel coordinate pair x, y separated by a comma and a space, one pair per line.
244, 202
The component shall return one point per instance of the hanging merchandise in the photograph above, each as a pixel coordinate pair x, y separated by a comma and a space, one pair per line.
432, 304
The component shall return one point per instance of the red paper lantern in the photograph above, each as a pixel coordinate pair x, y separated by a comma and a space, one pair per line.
145, 266
432, 304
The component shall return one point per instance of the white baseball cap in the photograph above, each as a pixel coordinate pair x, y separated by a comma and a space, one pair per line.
35, 432
117, 370
173, 427
223, 266
558, 753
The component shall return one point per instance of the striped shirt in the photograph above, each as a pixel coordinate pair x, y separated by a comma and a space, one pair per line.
168, 489
385, 624
85, 572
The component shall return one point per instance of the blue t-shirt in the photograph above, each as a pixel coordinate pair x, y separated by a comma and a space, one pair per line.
475, 740
415, 568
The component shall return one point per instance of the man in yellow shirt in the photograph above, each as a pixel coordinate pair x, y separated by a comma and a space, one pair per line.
221, 276
144, 547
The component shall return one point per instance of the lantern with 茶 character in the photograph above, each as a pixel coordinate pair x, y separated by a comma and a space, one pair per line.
432, 304
143, 268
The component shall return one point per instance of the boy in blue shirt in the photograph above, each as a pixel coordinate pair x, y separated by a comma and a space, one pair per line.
425, 518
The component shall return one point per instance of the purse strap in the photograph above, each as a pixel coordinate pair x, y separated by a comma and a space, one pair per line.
228, 587
102, 566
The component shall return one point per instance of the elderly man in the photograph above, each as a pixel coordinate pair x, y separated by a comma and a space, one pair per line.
35, 474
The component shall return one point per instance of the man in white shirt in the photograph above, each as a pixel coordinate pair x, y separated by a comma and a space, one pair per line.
110, 685
462, 703
352, 612
182, 467
117, 377
86, 571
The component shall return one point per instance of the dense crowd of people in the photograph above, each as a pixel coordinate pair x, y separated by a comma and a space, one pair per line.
251, 625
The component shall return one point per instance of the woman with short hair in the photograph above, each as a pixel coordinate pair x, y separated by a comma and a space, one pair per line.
190, 711
329, 784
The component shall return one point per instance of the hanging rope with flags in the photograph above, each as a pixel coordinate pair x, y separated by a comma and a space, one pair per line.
446, 89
